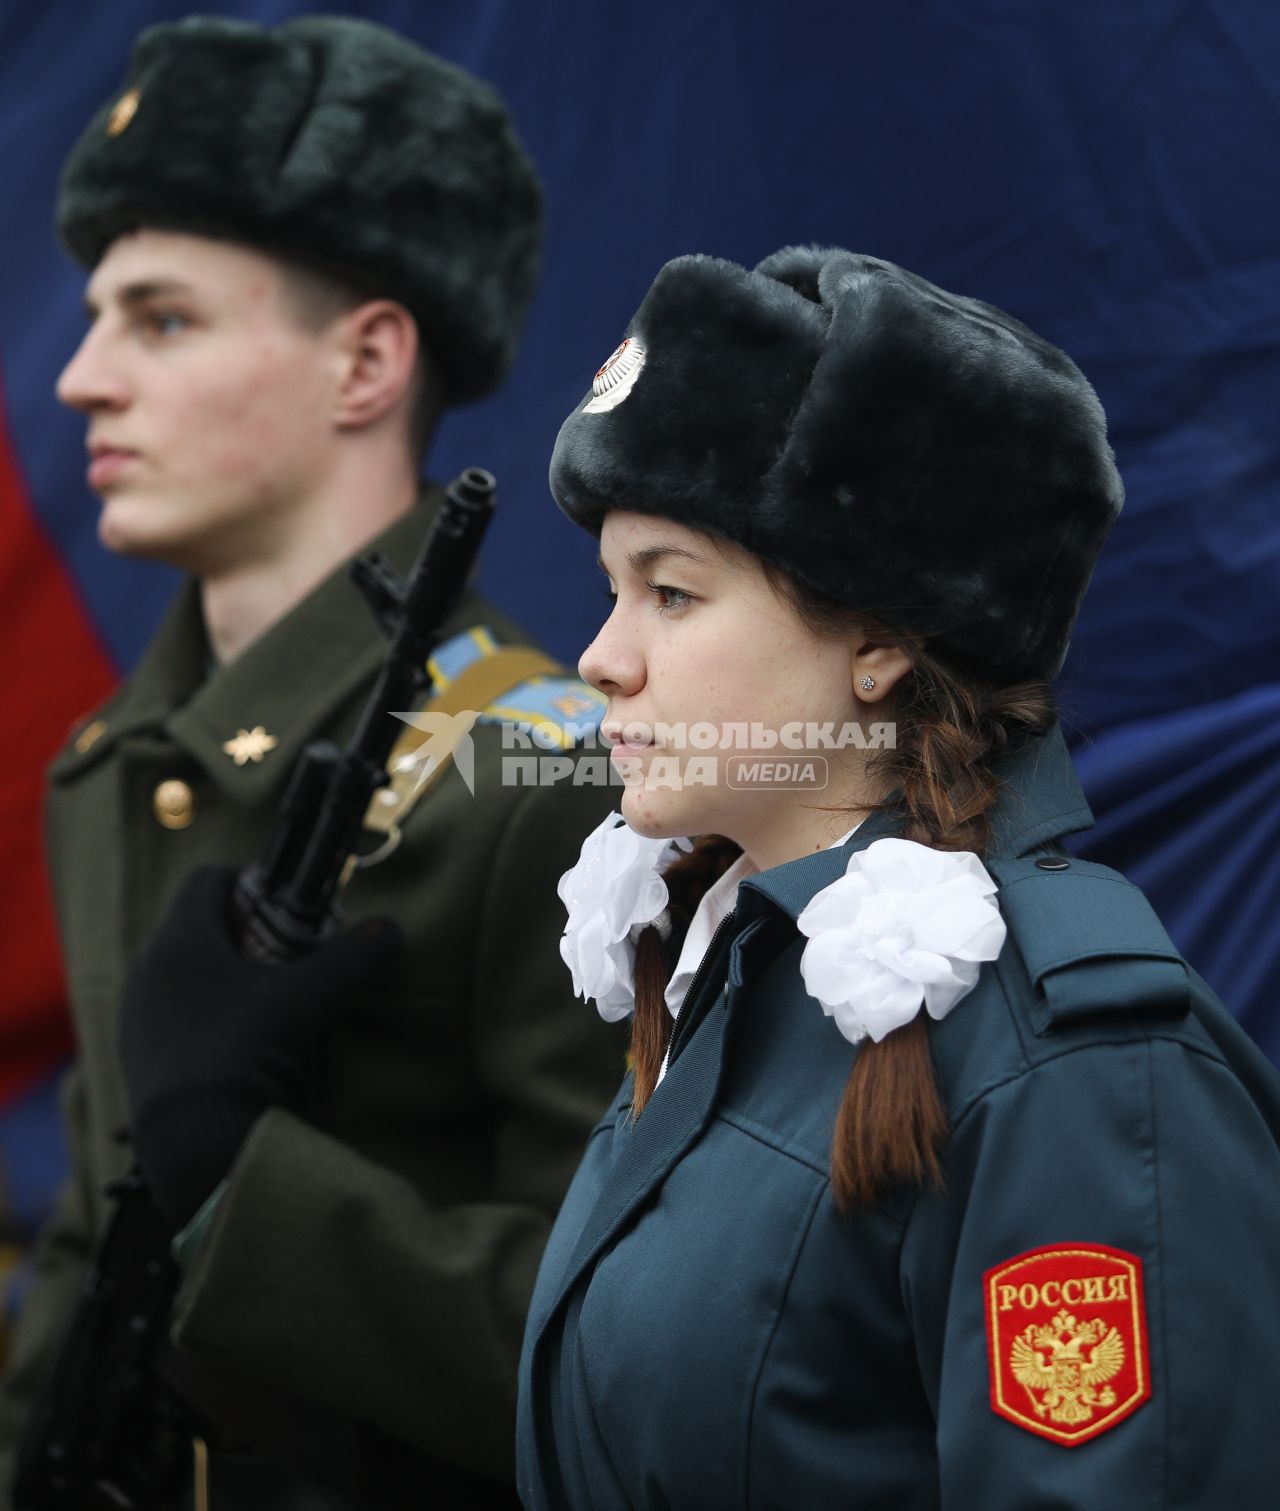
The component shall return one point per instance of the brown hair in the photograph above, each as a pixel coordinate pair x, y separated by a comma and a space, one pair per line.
315, 299
891, 1125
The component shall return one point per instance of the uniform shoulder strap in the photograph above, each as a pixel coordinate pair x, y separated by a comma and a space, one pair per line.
1091, 942
474, 675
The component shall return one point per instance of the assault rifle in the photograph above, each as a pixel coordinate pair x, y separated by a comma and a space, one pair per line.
108, 1434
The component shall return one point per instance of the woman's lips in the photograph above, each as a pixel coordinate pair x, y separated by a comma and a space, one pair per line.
627, 750
106, 466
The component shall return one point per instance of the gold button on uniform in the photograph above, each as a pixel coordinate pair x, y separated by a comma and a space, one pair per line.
174, 804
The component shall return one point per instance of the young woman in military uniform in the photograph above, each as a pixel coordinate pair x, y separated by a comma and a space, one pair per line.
940, 1179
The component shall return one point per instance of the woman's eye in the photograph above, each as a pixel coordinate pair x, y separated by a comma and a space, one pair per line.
669, 599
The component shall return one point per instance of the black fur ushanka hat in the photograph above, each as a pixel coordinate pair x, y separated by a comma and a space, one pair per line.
334, 142
913, 454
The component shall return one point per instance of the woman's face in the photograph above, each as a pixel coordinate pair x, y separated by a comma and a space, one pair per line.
716, 690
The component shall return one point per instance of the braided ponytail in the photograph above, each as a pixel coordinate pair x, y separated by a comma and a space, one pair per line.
891, 1126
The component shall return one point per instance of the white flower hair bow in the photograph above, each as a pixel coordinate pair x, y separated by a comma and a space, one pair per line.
613, 892
904, 925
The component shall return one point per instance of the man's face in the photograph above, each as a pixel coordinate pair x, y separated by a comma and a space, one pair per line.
208, 401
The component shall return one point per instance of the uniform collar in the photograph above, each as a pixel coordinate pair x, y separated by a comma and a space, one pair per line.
1041, 799
290, 681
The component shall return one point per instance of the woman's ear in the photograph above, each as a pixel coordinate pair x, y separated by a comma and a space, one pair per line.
877, 669
377, 348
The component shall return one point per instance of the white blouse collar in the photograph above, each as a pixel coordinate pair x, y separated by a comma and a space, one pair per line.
716, 904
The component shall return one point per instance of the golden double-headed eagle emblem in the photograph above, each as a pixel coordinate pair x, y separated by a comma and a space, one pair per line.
1064, 1366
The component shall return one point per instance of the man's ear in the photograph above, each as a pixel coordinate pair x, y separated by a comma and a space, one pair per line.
377, 348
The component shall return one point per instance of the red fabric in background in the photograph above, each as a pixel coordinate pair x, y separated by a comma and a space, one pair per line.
55, 670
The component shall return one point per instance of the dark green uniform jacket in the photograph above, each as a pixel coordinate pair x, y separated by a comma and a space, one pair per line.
376, 1270
1086, 1319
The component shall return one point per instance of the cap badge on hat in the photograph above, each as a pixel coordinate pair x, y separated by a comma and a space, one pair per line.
123, 111
616, 378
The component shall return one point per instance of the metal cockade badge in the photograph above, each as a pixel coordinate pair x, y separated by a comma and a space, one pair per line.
123, 111
616, 378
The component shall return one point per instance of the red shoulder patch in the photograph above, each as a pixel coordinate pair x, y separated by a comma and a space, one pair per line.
1067, 1340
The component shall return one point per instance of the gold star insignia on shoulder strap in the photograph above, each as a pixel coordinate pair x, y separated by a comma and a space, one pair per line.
249, 745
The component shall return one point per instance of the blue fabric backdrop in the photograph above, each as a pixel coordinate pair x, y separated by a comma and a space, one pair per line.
1107, 172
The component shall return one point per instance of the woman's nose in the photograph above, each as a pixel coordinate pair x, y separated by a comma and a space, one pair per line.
612, 663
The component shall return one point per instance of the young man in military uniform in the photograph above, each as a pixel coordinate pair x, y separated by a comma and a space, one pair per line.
303, 243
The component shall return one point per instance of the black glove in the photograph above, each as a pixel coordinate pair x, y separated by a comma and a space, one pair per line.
210, 1040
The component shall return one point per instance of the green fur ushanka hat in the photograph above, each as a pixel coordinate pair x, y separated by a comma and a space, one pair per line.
333, 142
913, 454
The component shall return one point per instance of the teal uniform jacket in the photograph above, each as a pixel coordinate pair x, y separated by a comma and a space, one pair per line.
1087, 1317
371, 1273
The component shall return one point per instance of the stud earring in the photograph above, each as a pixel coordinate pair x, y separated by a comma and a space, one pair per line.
868, 683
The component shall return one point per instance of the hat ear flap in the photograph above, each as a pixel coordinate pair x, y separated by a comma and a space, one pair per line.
800, 268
